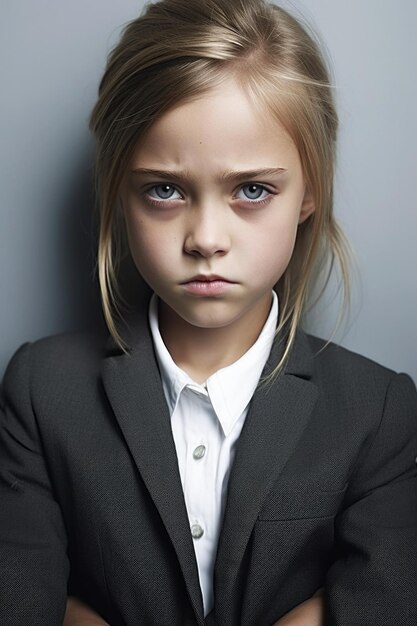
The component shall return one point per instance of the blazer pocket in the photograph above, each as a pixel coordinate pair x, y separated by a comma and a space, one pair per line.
301, 503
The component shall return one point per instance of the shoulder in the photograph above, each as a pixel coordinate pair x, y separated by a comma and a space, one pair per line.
43, 375
80, 348
362, 398
354, 378
334, 357
88, 345
59, 357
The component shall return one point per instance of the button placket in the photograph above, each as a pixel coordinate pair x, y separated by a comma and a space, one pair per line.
198, 453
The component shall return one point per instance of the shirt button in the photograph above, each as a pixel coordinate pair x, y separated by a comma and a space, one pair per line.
197, 531
199, 452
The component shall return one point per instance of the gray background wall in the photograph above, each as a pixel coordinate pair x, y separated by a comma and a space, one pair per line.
51, 57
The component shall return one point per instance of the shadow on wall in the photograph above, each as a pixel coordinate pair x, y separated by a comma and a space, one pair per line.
55, 288
76, 244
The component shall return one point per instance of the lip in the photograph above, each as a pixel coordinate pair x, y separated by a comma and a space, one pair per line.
207, 285
206, 278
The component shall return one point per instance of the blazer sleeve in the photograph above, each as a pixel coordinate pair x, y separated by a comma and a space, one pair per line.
34, 567
373, 579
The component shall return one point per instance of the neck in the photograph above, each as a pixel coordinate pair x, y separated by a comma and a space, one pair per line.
202, 351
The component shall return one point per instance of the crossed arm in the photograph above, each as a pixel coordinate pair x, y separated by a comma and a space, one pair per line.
308, 613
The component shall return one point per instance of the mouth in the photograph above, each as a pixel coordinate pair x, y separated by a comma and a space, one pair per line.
206, 278
207, 285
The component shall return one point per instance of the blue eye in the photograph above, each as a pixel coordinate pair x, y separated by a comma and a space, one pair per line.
254, 192
163, 192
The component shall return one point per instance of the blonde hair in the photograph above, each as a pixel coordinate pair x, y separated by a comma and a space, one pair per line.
178, 50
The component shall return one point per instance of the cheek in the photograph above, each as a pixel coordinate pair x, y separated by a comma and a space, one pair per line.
151, 247
273, 246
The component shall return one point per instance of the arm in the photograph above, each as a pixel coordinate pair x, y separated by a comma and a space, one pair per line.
33, 564
373, 579
308, 613
79, 614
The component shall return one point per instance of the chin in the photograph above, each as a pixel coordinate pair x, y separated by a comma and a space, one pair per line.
209, 316
207, 321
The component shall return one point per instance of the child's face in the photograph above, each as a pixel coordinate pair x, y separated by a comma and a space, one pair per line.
210, 236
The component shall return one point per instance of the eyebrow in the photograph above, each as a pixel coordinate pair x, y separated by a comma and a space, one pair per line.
227, 176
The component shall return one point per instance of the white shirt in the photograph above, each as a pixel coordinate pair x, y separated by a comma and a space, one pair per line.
206, 421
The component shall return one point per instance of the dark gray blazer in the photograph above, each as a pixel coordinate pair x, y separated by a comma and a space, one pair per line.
322, 492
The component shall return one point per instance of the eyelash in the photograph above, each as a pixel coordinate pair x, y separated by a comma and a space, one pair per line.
159, 203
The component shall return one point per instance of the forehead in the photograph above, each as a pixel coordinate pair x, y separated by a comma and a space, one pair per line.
224, 124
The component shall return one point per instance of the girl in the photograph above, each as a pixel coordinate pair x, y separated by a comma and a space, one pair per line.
206, 461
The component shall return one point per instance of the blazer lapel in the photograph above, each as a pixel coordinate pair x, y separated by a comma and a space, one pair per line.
275, 422
134, 388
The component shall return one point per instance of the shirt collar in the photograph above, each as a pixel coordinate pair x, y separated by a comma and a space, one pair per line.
231, 388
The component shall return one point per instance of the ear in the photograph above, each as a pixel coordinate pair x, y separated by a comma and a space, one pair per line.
307, 207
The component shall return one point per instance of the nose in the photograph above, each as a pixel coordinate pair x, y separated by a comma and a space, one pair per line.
207, 232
